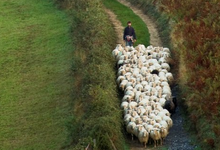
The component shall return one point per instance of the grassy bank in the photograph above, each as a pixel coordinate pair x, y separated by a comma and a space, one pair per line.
36, 84
199, 65
124, 14
96, 104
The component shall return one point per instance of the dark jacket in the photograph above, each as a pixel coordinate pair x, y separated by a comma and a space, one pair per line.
129, 31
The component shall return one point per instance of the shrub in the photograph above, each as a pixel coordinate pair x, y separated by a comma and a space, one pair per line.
96, 105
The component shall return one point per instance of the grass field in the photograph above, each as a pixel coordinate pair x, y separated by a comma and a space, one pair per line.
35, 79
125, 14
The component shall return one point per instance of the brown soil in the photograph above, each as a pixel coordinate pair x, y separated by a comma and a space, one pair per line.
154, 35
117, 25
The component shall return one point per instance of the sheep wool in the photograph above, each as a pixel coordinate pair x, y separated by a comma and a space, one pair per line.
144, 77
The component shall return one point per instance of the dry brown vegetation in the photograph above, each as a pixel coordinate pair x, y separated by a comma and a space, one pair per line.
195, 38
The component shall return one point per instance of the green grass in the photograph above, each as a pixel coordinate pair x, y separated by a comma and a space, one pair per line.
124, 14
161, 19
35, 81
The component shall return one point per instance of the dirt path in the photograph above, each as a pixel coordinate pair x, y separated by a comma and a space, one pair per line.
117, 25
154, 35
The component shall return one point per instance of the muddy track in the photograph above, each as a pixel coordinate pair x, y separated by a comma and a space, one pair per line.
117, 26
178, 138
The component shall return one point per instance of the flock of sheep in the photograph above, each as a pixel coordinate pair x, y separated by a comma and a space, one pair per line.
144, 77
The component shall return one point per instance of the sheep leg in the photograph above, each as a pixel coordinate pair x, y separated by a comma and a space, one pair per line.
155, 143
162, 140
132, 137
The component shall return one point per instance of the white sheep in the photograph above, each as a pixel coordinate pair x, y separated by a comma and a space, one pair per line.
156, 136
132, 105
138, 87
163, 133
164, 124
127, 118
166, 112
130, 129
166, 50
144, 102
123, 84
130, 93
165, 66
170, 78
129, 88
137, 129
120, 79
127, 98
169, 121
162, 101
144, 77
121, 72
143, 137
124, 105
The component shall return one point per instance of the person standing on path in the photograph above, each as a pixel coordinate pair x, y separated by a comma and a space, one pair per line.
129, 35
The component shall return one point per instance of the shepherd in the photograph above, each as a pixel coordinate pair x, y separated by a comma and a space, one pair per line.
129, 35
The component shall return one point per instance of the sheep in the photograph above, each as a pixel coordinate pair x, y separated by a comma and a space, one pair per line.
166, 112
165, 54
141, 110
165, 66
144, 117
129, 84
143, 137
137, 129
138, 120
129, 88
127, 118
166, 50
164, 124
130, 93
152, 61
121, 72
130, 129
144, 83
138, 87
163, 133
132, 105
127, 98
157, 125
162, 60
120, 63
148, 128
156, 136
169, 77
138, 96
120, 79
134, 114
144, 102
124, 105
169, 121
167, 91
123, 84
157, 119
144, 77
